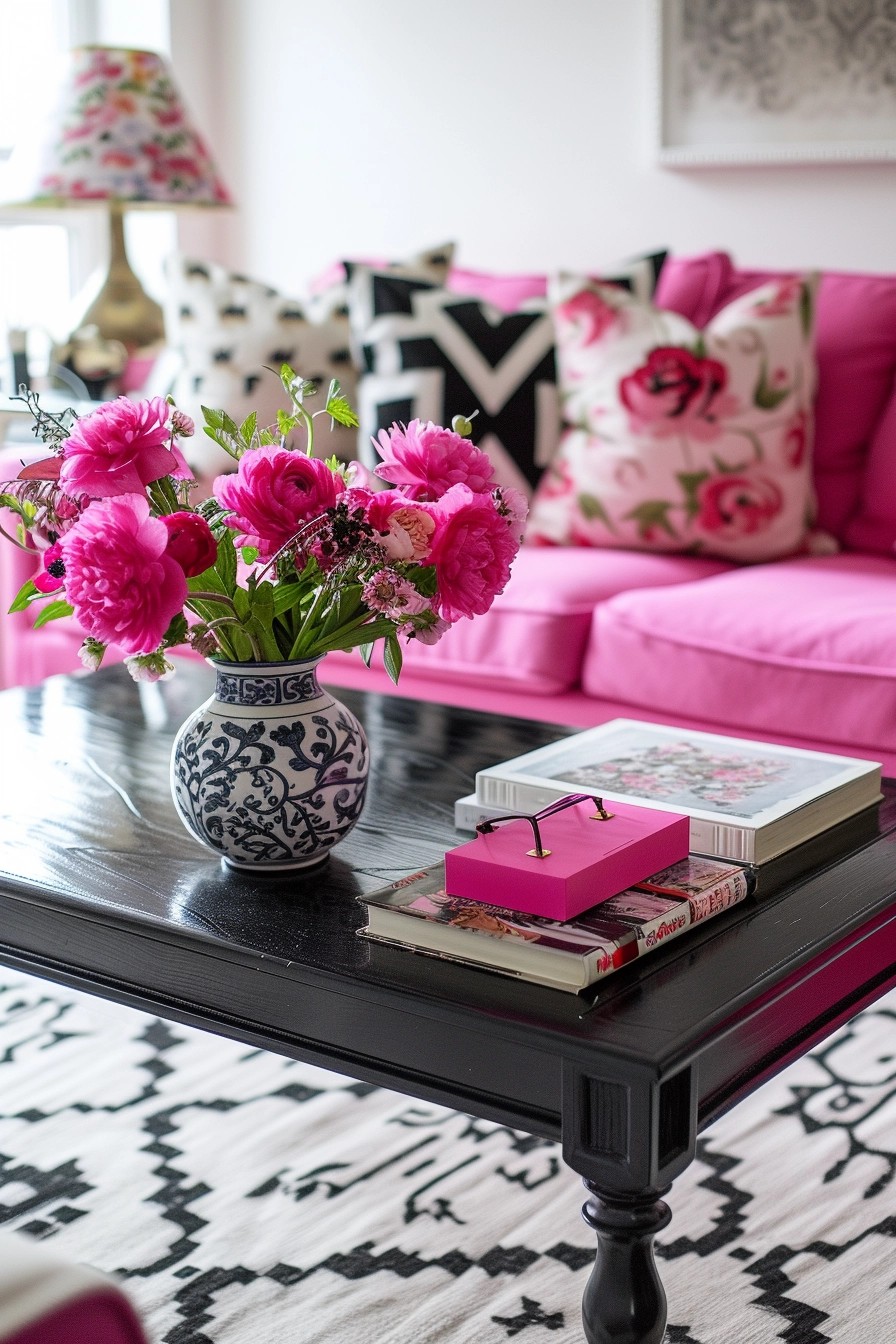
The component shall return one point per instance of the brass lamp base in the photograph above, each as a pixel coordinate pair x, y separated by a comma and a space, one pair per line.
123, 311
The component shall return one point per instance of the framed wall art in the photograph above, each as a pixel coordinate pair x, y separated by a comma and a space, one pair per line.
775, 81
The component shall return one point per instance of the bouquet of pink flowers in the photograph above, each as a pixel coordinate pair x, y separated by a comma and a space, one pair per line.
291, 556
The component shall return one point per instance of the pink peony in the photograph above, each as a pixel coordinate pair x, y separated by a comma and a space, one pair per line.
119, 449
123, 586
273, 493
426, 460
190, 542
403, 529
472, 550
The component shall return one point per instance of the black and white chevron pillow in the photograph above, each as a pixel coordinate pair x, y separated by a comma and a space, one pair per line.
429, 354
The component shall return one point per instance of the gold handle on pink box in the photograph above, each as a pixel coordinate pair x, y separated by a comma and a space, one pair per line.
539, 852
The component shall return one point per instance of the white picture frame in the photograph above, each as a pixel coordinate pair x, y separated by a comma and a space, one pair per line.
753, 83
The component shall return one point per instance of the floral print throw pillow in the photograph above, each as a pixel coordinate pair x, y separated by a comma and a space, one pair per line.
679, 439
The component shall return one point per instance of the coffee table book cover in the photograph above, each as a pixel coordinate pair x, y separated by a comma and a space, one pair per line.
747, 801
419, 913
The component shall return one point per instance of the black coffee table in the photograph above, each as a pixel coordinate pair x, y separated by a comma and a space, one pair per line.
101, 888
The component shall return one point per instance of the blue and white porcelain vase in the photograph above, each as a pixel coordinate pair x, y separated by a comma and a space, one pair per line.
271, 772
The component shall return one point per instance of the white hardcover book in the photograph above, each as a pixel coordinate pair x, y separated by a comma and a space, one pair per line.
468, 812
747, 801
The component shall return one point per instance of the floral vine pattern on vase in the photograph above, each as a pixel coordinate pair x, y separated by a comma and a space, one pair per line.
679, 439
271, 771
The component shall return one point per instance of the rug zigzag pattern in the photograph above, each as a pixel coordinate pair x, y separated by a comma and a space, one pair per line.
238, 1193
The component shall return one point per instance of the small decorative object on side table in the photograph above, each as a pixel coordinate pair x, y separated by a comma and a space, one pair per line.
290, 558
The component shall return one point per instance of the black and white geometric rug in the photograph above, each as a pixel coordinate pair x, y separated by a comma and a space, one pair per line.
247, 1199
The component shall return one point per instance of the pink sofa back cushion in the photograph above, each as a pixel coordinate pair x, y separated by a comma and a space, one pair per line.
855, 430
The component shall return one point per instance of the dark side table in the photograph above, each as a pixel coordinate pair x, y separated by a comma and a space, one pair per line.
101, 888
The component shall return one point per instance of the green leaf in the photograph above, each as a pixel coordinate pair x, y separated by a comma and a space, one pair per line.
287, 596
767, 397
249, 554
652, 514
248, 428
25, 596
340, 411
177, 631
690, 482
424, 579
392, 657
590, 507
53, 611
286, 423
213, 419
366, 652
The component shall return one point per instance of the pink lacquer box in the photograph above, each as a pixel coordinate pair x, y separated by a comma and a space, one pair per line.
589, 860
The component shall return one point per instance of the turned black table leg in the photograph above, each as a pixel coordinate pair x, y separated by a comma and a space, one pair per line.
624, 1301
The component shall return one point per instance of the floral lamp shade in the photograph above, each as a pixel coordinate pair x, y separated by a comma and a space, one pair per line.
120, 132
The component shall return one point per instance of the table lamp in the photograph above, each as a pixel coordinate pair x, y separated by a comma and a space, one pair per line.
120, 136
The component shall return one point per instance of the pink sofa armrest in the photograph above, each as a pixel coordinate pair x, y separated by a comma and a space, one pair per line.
45, 1299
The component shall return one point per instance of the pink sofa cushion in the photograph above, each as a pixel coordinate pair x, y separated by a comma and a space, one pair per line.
873, 526
534, 637
695, 287
855, 339
804, 646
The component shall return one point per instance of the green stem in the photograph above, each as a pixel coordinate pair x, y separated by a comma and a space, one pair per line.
306, 631
232, 620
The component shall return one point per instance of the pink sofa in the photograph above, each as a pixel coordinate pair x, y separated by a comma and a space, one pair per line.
800, 651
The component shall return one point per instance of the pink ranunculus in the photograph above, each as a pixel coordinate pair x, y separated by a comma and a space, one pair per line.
735, 505
427, 459
274, 491
119, 449
123, 585
472, 550
402, 528
587, 316
190, 542
677, 392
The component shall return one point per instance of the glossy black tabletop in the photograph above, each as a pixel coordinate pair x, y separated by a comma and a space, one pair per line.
101, 885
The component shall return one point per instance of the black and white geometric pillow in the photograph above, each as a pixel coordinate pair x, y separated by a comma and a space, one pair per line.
232, 334
429, 354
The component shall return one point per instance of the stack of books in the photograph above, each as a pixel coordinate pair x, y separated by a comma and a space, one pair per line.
418, 912
750, 805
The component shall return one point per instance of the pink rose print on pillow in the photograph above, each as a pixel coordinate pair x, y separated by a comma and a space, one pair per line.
586, 316
677, 392
796, 439
783, 298
737, 505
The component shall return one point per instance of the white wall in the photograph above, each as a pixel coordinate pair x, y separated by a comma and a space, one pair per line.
520, 128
